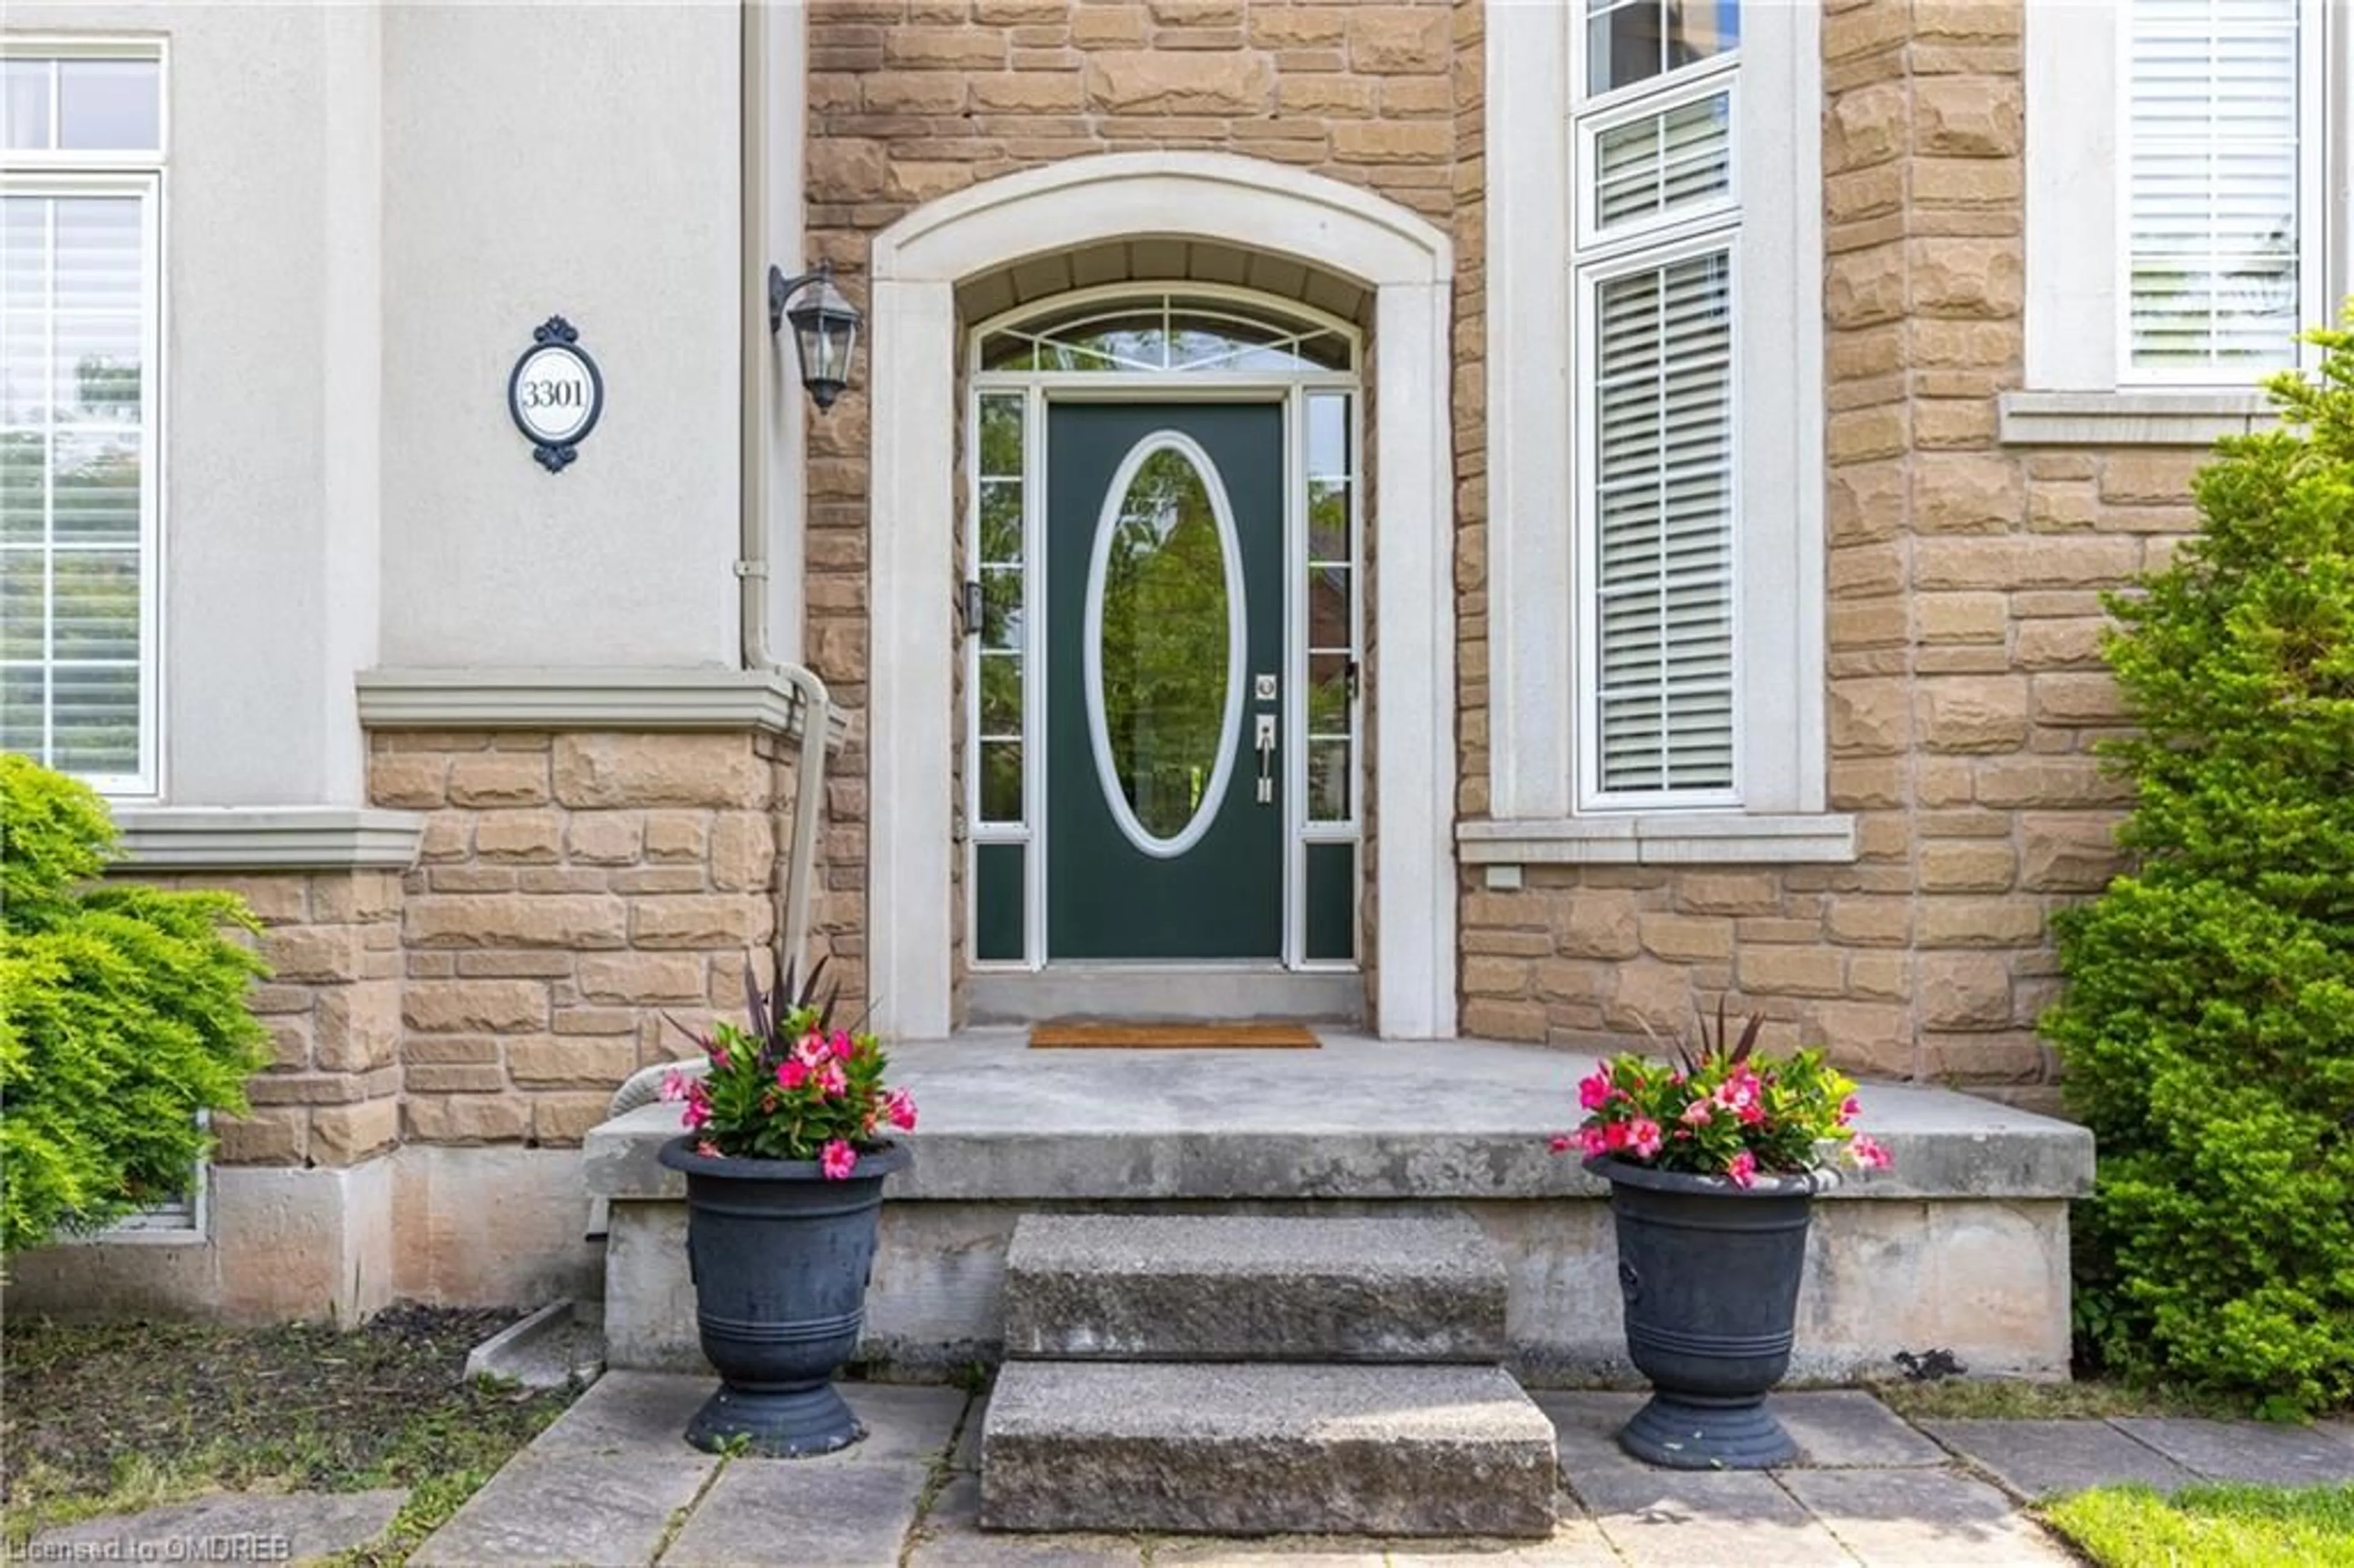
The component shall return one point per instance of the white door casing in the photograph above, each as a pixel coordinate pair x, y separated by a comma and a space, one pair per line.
914, 566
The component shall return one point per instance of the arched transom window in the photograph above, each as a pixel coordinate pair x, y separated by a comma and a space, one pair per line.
1157, 334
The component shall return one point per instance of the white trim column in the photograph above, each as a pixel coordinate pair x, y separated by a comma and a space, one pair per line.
911, 653
1231, 200
1414, 665
1531, 684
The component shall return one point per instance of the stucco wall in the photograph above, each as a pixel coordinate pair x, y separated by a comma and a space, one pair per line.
581, 161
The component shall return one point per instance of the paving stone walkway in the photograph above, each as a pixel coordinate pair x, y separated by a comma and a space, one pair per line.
611, 1482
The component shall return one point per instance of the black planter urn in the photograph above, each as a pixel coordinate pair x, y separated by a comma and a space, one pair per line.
1710, 1272
779, 1257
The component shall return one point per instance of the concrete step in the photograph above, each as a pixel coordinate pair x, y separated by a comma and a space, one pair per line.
1265, 1449
1236, 1288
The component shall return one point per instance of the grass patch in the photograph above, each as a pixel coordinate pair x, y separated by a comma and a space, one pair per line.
2013, 1399
111, 1417
2223, 1526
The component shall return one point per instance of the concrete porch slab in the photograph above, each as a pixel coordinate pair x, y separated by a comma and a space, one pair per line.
1359, 1118
1964, 1247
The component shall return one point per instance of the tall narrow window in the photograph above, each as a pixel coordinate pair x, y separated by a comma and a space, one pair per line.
80, 252
1656, 277
2222, 122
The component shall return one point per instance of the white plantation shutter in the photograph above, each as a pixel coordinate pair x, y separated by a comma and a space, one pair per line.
1663, 162
1658, 231
2213, 97
1663, 419
81, 135
73, 521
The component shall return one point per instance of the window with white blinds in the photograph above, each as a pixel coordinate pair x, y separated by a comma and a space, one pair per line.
80, 247
1655, 273
2223, 132
1663, 505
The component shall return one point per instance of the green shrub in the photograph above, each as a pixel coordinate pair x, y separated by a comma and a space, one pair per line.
2208, 1023
121, 1016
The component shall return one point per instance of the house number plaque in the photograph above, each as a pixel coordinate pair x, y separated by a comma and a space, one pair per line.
555, 393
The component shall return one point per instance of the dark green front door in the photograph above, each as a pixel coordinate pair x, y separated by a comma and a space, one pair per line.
1164, 655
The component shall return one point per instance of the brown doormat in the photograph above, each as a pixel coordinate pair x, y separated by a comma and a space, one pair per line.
1172, 1036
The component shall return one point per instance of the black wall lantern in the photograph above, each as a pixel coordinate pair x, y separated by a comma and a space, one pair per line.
825, 328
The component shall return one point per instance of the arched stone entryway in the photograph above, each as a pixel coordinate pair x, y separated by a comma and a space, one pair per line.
917, 266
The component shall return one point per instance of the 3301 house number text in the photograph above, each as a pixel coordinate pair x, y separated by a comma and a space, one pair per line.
554, 395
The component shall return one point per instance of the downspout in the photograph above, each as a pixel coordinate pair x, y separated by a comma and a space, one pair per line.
813, 704
752, 565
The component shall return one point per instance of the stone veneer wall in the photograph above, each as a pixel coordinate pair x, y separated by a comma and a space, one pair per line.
571, 890
1966, 689
1966, 684
911, 99
330, 1096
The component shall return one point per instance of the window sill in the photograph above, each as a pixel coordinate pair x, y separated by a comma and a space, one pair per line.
1659, 839
2130, 418
266, 838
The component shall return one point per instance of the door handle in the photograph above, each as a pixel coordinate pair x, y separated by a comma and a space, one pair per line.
1265, 740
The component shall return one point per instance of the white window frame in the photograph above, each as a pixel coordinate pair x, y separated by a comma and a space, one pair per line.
2080, 387
176, 1220
1540, 678
61, 172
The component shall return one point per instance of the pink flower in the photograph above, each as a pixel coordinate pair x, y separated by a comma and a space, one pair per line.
673, 1085
813, 1052
1751, 1115
1849, 1110
1591, 1139
698, 1111
1739, 1091
900, 1106
1870, 1153
1559, 1143
707, 1149
838, 1161
843, 1047
1643, 1138
831, 1082
1614, 1136
718, 1061
1743, 1170
1594, 1092
792, 1073
1696, 1114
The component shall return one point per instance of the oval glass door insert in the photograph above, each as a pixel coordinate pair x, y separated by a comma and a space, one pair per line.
1165, 644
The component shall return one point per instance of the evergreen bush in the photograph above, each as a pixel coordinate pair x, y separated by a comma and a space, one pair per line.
122, 1015
2207, 1027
